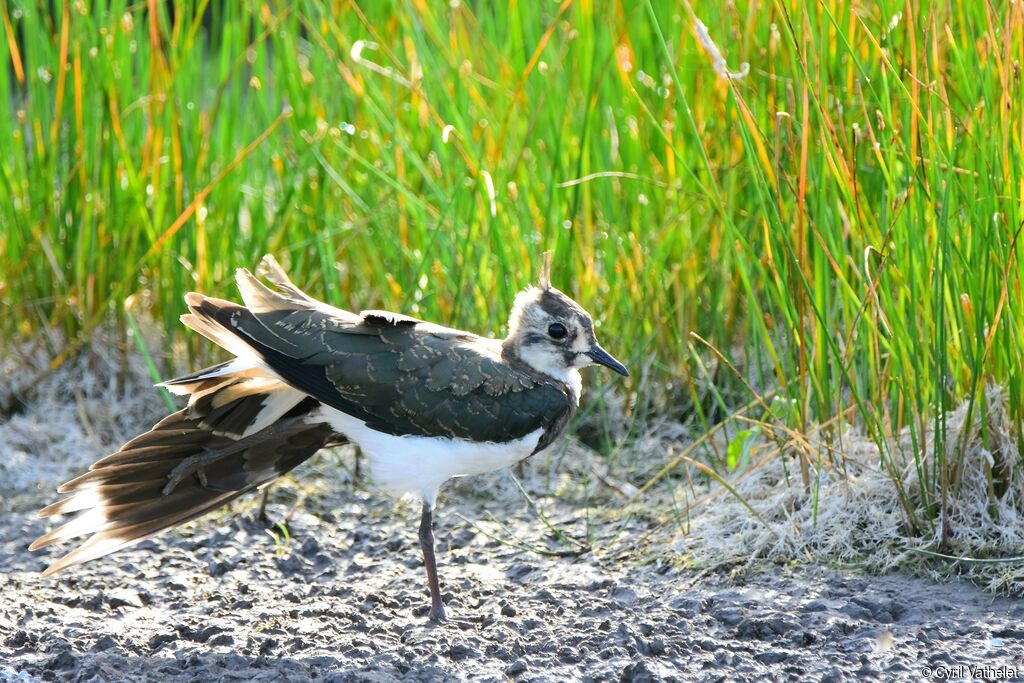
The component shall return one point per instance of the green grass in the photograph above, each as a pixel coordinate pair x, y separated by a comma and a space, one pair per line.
838, 227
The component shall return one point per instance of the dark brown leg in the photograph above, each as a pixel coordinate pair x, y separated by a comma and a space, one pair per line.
427, 545
263, 506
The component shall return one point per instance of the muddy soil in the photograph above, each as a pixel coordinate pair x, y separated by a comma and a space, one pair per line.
342, 595
344, 599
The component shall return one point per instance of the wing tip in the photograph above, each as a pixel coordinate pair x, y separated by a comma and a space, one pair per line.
47, 539
272, 270
51, 509
258, 297
51, 570
64, 561
243, 274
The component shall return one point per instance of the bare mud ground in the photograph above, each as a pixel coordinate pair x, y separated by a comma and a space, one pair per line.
344, 598
345, 601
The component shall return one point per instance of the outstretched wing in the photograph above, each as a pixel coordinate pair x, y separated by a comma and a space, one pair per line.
237, 433
400, 375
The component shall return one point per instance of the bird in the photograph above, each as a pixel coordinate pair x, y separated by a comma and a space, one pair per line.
424, 403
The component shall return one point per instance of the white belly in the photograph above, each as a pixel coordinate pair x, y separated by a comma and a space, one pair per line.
421, 464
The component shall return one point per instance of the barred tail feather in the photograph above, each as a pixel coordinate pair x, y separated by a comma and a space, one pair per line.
237, 433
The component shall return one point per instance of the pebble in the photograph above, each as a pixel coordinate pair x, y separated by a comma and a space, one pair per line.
310, 546
730, 616
105, 643
515, 668
221, 640
833, 675
158, 639
519, 570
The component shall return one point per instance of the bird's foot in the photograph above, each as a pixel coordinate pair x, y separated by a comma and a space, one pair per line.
436, 614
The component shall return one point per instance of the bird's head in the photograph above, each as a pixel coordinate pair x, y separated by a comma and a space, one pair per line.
553, 334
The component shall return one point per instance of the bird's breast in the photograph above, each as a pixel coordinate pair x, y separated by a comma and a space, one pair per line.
421, 464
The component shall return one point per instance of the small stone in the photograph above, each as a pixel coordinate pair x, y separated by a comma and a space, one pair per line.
310, 547
688, 607
203, 635
1015, 633
158, 639
223, 639
637, 672
459, 651
65, 660
730, 616
507, 610
833, 675
394, 542
856, 611
753, 628
104, 643
217, 568
772, 657
197, 635
462, 538
123, 598
93, 602
290, 565
781, 625
803, 639
18, 639
708, 645
519, 570
624, 595
515, 668
235, 661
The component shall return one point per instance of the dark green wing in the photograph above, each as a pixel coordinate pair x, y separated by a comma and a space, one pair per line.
398, 374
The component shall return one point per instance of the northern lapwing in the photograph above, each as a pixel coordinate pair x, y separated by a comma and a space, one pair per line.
425, 403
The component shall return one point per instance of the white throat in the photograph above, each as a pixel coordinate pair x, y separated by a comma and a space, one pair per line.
551, 364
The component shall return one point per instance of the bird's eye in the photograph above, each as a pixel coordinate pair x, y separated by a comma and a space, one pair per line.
557, 331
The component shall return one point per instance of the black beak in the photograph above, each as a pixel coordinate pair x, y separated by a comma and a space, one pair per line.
602, 357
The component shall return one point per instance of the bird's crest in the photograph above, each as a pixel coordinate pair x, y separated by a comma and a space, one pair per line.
544, 281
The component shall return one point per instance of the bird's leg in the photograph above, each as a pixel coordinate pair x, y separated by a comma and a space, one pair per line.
427, 545
263, 506
521, 469
357, 470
